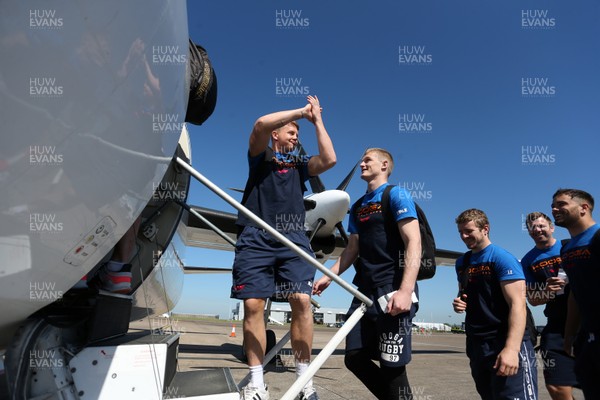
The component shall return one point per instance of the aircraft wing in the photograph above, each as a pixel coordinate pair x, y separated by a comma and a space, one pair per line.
198, 234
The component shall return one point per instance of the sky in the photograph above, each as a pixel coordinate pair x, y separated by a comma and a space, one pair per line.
489, 105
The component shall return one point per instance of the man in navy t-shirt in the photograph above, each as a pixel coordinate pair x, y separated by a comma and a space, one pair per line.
263, 267
492, 293
387, 273
547, 284
572, 209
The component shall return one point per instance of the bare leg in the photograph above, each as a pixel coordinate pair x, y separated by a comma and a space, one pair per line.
255, 338
125, 247
302, 326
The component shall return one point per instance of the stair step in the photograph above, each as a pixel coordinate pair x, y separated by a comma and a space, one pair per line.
217, 383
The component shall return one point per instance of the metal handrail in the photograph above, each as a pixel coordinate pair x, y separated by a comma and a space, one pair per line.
273, 232
324, 354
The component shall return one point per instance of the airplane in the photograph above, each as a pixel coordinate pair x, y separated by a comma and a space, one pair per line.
94, 108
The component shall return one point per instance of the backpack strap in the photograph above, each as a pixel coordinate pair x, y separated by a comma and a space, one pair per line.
464, 280
391, 228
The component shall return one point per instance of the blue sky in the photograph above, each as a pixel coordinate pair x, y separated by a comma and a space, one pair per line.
492, 105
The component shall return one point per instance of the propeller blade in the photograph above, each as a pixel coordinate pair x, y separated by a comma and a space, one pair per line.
236, 190
342, 231
316, 185
348, 177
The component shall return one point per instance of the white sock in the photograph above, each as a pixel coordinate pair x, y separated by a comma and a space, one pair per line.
256, 377
300, 369
114, 266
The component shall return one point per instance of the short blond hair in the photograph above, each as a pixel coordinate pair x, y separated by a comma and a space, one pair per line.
382, 154
289, 123
475, 215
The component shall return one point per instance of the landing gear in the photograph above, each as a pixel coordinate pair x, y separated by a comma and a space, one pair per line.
36, 363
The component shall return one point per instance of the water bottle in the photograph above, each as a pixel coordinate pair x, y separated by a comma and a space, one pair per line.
563, 275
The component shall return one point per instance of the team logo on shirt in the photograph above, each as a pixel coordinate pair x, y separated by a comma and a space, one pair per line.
483, 269
475, 271
549, 263
364, 213
570, 257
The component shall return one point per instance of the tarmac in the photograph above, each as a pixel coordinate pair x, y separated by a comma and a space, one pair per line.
439, 369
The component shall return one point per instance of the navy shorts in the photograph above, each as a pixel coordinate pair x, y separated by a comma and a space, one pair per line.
482, 355
263, 267
559, 368
387, 338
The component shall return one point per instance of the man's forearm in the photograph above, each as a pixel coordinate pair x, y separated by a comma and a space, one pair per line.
326, 157
412, 263
270, 122
326, 151
517, 317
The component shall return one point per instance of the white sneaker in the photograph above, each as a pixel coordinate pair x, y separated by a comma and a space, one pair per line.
308, 393
254, 393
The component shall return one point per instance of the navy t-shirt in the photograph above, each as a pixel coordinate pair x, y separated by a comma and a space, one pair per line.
538, 266
487, 310
278, 192
583, 270
379, 256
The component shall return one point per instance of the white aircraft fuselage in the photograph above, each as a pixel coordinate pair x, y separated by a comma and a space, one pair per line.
93, 100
